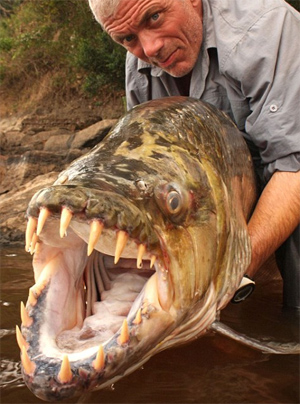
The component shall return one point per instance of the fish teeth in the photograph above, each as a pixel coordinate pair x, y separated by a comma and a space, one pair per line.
43, 216
138, 317
96, 228
141, 252
31, 298
37, 289
30, 230
65, 219
98, 363
124, 336
25, 318
20, 339
33, 243
122, 238
35, 227
153, 259
65, 374
28, 365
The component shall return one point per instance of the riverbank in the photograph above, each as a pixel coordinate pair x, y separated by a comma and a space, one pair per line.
38, 142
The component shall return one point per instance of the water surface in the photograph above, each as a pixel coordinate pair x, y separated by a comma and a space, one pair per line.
212, 369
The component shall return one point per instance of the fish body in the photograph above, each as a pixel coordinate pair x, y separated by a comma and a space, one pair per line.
169, 192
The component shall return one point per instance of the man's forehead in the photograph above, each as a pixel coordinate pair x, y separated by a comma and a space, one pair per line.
131, 12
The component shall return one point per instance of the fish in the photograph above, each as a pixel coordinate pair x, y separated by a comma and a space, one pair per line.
137, 246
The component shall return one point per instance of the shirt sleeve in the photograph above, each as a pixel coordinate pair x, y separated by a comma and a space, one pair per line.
266, 63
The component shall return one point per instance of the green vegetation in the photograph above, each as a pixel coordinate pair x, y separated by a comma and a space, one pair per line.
59, 38
295, 4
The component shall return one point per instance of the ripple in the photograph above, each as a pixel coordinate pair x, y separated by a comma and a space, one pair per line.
10, 374
5, 333
5, 303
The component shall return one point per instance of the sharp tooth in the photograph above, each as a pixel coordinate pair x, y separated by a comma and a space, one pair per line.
20, 339
141, 252
153, 259
65, 218
98, 363
43, 216
36, 290
138, 317
122, 238
124, 336
28, 365
33, 243
95, 233
30, 229
37, 248
31, 298
65, 373
26, 320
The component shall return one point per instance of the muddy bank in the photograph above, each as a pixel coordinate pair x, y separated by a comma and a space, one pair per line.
34, 148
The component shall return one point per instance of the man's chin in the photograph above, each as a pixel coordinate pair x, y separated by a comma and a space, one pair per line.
179, 68
177, 71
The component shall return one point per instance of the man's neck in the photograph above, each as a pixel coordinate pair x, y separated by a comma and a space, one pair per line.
183, 84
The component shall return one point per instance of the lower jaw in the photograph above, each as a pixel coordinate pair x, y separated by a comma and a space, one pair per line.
99, 365
120, 358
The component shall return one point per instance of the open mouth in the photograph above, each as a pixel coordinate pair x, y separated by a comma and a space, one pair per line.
96, 287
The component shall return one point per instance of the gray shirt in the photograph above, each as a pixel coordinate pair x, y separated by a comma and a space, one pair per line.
249, 66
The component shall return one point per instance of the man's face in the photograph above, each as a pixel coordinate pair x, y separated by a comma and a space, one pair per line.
165, 33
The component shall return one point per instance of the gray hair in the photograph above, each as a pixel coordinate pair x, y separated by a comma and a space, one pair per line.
103, 8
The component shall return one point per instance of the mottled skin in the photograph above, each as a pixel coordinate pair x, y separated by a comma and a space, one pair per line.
176, 175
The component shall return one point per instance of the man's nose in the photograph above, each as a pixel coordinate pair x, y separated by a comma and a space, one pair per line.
151, 44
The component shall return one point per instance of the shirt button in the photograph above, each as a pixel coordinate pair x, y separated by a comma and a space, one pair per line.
273, 108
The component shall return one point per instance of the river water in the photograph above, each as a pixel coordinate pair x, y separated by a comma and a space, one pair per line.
212, 369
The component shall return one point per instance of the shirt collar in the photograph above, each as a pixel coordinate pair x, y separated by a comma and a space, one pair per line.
145, 68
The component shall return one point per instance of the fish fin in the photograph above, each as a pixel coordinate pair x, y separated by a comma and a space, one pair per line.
263, 346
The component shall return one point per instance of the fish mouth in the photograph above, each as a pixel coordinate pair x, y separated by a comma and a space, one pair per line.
87, 315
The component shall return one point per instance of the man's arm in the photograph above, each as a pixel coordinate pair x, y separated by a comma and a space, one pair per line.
275, 217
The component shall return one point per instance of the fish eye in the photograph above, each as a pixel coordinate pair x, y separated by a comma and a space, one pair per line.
174, 202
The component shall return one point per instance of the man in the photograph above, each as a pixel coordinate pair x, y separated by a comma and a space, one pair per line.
243, 56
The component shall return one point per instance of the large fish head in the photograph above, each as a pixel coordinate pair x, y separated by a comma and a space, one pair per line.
152, 196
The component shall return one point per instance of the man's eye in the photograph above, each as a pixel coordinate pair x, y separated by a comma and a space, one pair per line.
128, 39
155, 17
